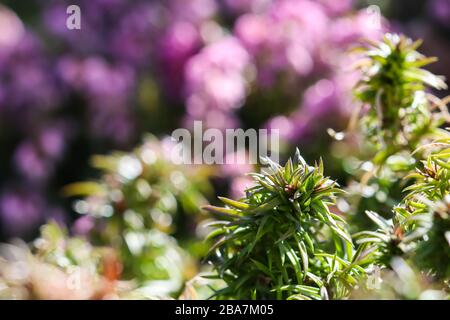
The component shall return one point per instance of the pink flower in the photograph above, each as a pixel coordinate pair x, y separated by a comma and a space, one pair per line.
239, 185
215, 81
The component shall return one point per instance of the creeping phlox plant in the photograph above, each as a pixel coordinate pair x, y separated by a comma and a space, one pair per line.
420, 228
282, 240
399, 114
286, 239
400, 111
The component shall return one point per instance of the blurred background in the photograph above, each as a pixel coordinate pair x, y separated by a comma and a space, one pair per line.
148, 66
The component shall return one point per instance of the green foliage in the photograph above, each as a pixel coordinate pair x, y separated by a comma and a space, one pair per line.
59, 267
403, 282
403, 124
399, 116
428, 201
400, 112
281, 240
288, 237
55, 247
420, 228
156, 263
144, 189
141, 199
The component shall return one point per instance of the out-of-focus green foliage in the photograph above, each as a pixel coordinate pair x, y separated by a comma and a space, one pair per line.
140, 199
288, 237
145, 189
393, 85
399, 114
403, 122
62, 267
58, 267
420, 228
401, 283
429, 201
281, 240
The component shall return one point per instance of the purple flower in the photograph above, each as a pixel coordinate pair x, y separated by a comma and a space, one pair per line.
20, 211
30, 162
285, 50
132, 38
35, 158
284, 125
254, 31
176, 46
12, 31
245, 6
284, 38
194, 10
83, 225
440, 9
52, 141
349, 29
239, 185
215, 81
337, 7
118, 124
28, 86
107, 89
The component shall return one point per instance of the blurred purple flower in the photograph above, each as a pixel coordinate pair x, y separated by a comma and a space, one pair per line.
119, 124
312, 57
193, 10
20, 212
239, 185
97, 16
284, 125
12, 31
107, 89
350, 29
245, 6
178, 44
216, 83
236, 164
83, 225
131, 37
440, 9
27, 84
254, 31
36, 158
284, 38
30, 162
337, 7
52, 141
